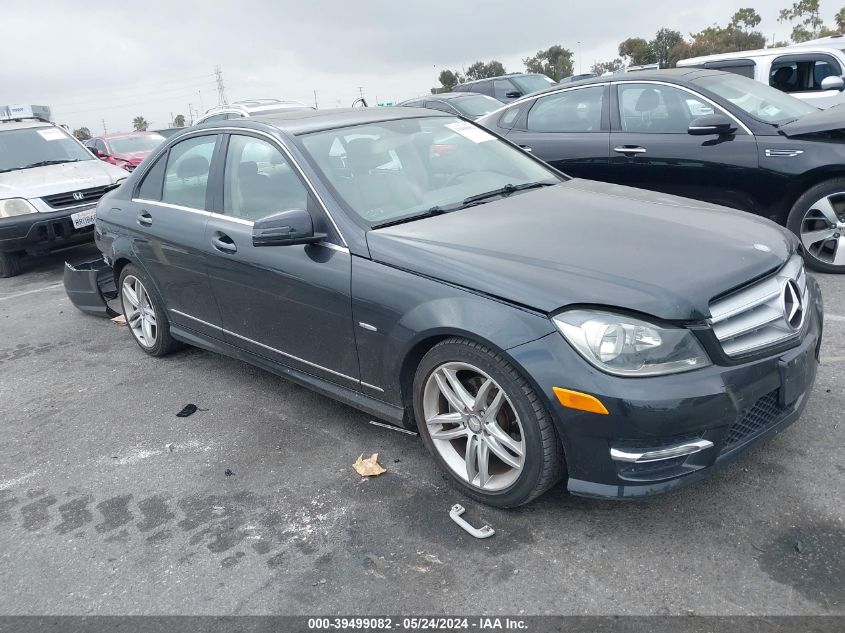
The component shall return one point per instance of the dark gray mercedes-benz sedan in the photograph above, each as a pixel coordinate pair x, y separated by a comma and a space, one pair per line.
532, 327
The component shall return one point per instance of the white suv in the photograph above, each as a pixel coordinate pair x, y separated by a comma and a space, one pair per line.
49, 187
812, 73
251, 107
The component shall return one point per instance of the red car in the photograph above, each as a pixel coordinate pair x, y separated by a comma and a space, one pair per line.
125, 150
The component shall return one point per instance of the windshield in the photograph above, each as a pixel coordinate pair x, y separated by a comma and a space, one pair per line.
532, 83
762, 102
392, 170
132, 144
36, 146
476, 105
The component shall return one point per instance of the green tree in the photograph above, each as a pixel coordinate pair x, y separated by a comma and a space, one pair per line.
449, 79
839, 18
140, 124
637, 51
482, 70
554, 62
82, 133
614, 65
746, 19
664, 41
810, 24
179, 120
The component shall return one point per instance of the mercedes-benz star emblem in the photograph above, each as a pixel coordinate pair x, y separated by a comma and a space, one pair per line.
793, 309
78, 195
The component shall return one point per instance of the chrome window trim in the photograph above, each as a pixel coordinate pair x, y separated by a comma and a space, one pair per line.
273, 141
692, 92
272, 349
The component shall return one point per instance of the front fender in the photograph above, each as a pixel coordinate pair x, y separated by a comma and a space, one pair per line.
396, 312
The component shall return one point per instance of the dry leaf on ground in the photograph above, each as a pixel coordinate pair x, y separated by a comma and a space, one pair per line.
368, 467
119, 319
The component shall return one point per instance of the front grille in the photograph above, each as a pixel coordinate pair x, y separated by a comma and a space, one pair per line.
754, 317
61, 200
755, 419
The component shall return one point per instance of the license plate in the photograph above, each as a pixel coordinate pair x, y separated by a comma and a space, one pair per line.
793, 376
83, 218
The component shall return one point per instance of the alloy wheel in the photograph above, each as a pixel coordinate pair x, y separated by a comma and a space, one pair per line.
823, 230
473, 426
139, 312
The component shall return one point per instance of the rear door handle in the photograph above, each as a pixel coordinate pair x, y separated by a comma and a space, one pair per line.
527, 148
144, 218
223, 243
629, 149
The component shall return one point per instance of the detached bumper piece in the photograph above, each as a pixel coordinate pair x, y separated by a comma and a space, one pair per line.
90, 286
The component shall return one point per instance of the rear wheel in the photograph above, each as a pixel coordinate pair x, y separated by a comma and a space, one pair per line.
145, 314
10, 264
818, 219
485, 425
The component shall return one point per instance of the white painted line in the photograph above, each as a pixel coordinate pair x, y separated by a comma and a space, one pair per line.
833, 359
30, 292
834, 317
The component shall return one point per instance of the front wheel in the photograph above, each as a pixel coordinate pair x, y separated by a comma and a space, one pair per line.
10, 264
484, 424
818, 219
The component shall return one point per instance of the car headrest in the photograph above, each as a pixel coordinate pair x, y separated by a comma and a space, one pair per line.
362, 156
648, 100
192, 167
247, 169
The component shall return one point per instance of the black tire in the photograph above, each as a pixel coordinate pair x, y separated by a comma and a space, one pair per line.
164, 343
10, 265
544, 463
802, 207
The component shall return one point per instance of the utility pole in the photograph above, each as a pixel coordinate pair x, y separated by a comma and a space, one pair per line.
202, 107
579, 57
190, 114
361, 91
104, 127
221, 90
315, 100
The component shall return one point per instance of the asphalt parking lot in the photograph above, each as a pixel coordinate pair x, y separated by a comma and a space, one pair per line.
110, 504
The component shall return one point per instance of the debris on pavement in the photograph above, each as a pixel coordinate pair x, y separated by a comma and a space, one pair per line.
188, 409
393, 428
799, 547
229, 472
368, 467
483, 532
120, 319
169, 447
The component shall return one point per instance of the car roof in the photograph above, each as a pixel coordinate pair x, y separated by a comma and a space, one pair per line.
507, 76
107, 137
19, 124
305, 121
445, 96
673, 75
798, 49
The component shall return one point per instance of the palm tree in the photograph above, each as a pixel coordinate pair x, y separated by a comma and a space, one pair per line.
179, 120
140, 124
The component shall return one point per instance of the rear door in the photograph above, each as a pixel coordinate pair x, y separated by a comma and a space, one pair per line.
569, 130
651, 147
290, 304
168, 215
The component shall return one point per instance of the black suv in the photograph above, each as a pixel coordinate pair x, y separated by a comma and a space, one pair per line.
506, 88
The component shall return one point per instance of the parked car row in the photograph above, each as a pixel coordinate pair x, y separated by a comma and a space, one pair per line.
531, 326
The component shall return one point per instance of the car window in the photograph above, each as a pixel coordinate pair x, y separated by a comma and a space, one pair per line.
802, 73
484, 87
100, 145
259, 181
186, 175
743, 67
532, 83
475, 105
756, 99
501, 88
509, 116
571, 111
150, 187
439, 105
659, 109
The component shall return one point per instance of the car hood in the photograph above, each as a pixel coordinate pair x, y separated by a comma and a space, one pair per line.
38, 182
134, 158
821, 121
584, 242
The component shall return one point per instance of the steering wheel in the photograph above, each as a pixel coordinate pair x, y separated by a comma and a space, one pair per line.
458, 175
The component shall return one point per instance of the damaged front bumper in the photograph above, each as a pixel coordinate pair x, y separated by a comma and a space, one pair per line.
90, 286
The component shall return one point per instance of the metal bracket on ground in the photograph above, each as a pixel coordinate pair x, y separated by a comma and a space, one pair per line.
482, 532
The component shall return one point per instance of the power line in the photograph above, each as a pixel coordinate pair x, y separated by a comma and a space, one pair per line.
98, 108
131, 95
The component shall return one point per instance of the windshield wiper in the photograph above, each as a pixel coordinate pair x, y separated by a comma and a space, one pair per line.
435, 210
506, 191
44, 163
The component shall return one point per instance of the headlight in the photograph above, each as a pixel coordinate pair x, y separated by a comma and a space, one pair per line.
626, 346
15, 206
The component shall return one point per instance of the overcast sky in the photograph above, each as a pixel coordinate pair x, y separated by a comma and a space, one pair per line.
92, 61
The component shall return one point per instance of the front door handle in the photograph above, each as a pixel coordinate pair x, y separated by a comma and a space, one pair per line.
144, 218
527, 148
629, 150
223, 243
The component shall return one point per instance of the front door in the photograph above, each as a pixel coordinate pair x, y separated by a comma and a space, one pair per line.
651, 147
290, 304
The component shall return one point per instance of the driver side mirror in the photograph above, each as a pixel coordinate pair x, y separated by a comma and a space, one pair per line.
834, 82
711, 124
285, 228
513, 94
